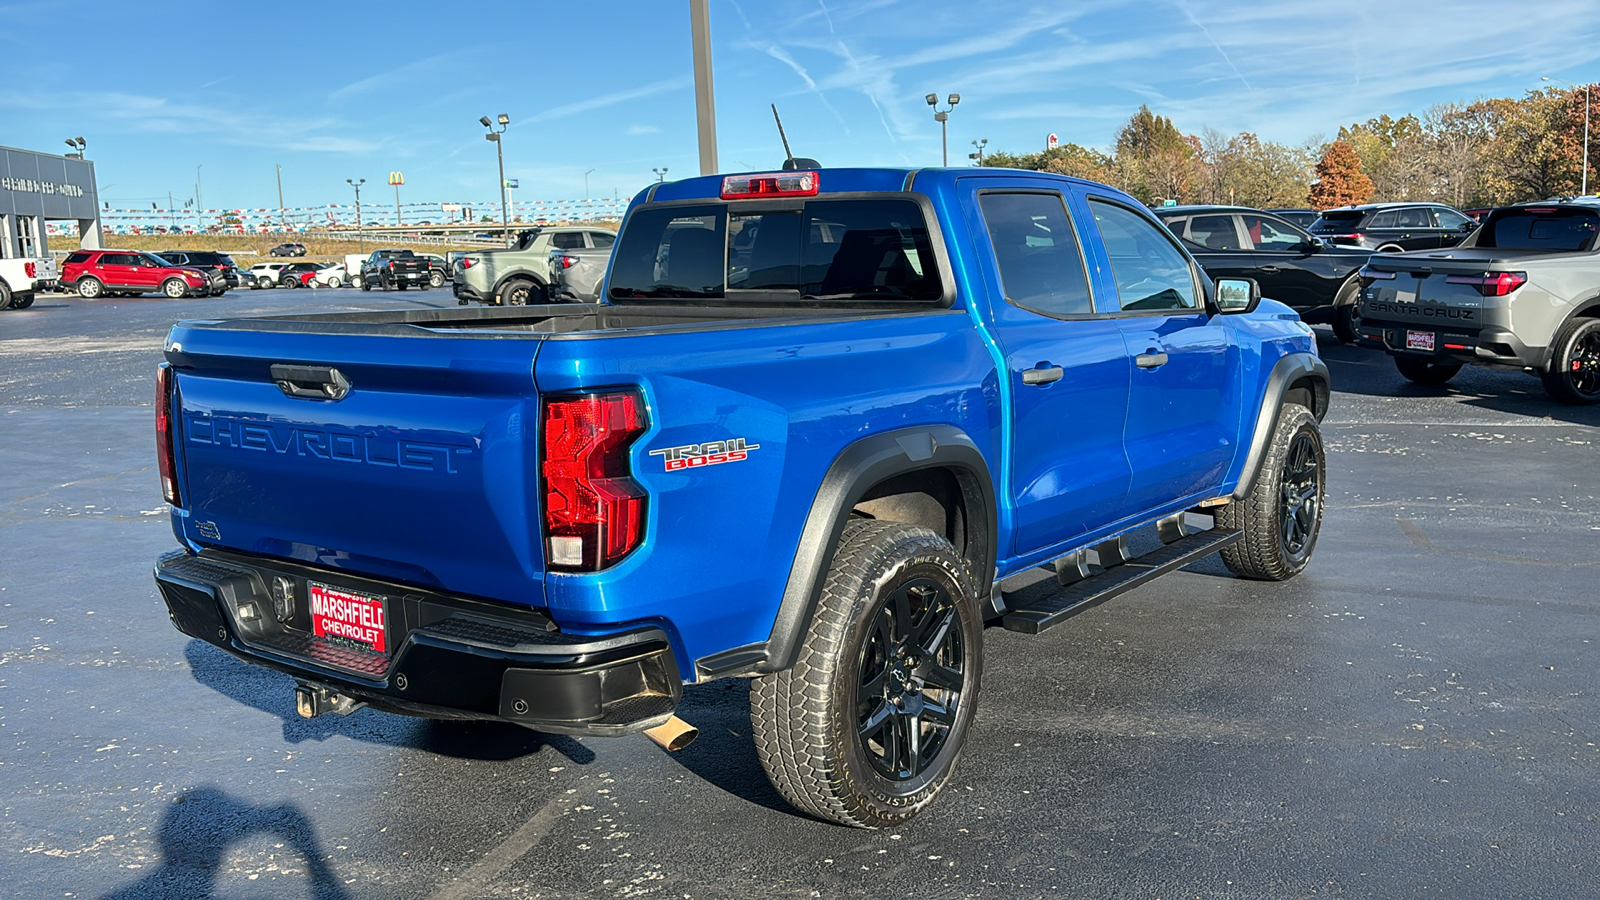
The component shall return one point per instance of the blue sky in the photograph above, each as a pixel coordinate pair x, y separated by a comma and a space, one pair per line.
354, 90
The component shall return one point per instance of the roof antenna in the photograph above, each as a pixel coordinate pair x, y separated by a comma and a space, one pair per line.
789, 160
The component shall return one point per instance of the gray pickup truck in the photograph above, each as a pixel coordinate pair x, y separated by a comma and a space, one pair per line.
576, 275
1522, 292
520, 275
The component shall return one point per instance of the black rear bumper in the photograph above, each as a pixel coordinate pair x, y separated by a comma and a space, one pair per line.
452, 658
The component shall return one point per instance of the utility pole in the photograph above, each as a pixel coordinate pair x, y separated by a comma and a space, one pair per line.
199, 199
361, 237
499, 152
283, 219
172, 215
704, 98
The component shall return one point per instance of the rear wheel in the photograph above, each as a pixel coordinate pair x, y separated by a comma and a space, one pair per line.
1346, 320
436, 279
519, 292
22, 301
7, 301
1574, 373
90, 288
1282, 514
867, 726
289, 281
1422, 371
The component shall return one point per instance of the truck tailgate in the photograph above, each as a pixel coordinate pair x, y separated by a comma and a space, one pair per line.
424, 470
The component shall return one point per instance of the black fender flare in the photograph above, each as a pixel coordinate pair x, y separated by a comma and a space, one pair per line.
541, 281
1286, 372
1585, 309
863, 464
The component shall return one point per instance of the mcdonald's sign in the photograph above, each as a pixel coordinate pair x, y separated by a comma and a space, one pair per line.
397, 178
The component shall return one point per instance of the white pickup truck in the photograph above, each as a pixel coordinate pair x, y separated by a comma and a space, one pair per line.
21, 278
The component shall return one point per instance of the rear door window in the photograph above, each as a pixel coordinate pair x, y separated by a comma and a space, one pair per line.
1037, 251
602, 239
1416, 217
1270, 234
1150, 271
1214, 232
818, 251
1382, 220
567, 240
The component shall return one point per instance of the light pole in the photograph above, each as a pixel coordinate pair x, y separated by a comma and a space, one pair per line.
499, 152
943, 116
586, 184
978, 156
361, 238
77, 144
283, 219
661, 173
1585, 189
199, 199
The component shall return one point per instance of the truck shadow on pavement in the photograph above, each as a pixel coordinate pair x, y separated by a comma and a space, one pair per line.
199, 827
273, 693
724, 755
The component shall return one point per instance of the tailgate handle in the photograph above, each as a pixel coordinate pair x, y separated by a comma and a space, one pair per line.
311, 382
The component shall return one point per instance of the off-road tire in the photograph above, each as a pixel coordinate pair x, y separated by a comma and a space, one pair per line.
1577, 344
807, 720
1282, 514
1345, 312
1422, 371
89, 288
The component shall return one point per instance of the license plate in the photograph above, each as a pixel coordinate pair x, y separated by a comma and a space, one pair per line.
1419, 340
350, 616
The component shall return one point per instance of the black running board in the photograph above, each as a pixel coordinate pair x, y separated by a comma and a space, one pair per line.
1097, 589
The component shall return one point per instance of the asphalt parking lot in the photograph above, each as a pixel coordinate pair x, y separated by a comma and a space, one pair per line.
1415, 716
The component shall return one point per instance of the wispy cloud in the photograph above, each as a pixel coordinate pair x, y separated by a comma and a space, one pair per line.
428, 67
605, 100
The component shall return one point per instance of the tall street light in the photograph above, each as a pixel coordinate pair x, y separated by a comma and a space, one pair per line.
978, 156
1586, 87
361, 238
77, 144
499, 152
199, 200
586, 184
943, 116
283, 219
661, 173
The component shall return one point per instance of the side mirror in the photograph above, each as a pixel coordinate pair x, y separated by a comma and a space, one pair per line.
1310, 245
1469, 226
1237, 295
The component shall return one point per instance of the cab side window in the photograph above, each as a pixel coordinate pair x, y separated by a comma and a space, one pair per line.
1041, 264
567, 240
1270, 234
1150, 271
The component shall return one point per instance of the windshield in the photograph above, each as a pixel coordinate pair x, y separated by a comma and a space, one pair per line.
1555, 229
819, 251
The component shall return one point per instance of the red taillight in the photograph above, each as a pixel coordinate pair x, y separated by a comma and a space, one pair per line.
594, 512
1491, 284
770, 184
166, 389
468, 262
568, 262
31, 270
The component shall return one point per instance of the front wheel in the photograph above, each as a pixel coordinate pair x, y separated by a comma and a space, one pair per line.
1282, 514
867, 726
366, 284
1422, 371
90, 288
335, 281
174, 288
1574, 373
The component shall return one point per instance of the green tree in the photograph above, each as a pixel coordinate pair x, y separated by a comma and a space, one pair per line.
1064, 159
1340, 181
1155, 161
1246, 171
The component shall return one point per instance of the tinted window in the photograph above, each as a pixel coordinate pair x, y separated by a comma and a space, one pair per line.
1336, 222
1555, 229
150, 259
602, 239
78, 257
1449, 218
1413, 218
1041, 265
1271, 234
567, 240
119, 259
1150, 271
825, 250
1214, 232
1382, 220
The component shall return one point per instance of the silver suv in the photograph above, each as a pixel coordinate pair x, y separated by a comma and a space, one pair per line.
521, 275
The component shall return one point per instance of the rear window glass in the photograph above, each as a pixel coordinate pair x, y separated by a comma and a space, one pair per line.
78, 258
1333, 222
821, 251
1554, 230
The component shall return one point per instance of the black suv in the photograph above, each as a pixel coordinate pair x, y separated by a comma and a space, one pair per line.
1318, 279
205, 260
288, 250
1388, 227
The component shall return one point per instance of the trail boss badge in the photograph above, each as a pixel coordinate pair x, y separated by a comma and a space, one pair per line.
711, 453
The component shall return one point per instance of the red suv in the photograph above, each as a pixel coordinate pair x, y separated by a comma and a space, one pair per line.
113, 273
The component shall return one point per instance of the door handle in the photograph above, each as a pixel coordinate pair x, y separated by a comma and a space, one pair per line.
1150, 360
1042, 375
1269, 269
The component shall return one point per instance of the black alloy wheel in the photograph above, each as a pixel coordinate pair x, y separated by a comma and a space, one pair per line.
1574, 373
911, 680
1300, 495
1282, 514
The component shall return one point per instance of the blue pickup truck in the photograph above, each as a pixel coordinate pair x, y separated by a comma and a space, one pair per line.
816, 423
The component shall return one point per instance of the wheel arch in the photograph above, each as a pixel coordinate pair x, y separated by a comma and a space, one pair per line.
933, 476
1296, 378
529, 274
1587, 309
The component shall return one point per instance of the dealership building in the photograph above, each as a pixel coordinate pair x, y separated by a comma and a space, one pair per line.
36, 188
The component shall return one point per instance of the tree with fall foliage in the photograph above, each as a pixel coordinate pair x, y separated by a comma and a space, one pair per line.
1155, 161
1340, 181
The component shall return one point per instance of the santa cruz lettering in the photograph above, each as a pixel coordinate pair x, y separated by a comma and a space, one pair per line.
711, 453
